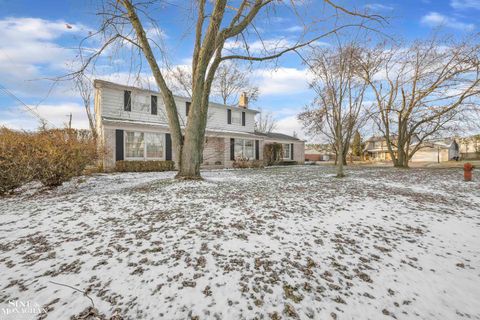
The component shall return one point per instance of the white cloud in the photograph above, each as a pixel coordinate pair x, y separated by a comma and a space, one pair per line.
378, 7
18, 117
295, 29
282, 80
465, 4
290, 125
435, 19
31, 41
267, 46
29, 51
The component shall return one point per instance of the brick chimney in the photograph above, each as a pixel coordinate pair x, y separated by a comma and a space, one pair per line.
243, 103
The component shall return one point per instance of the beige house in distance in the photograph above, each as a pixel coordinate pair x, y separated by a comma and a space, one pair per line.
132, 125
435, 150
376, 149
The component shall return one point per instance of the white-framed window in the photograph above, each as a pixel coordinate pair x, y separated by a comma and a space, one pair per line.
236, 117
244, 149
286, 151
137, 102
249, 150
144, 145
239, 148
134, 145
154, 145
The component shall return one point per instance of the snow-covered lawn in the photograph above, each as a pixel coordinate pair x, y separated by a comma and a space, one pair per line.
243, 244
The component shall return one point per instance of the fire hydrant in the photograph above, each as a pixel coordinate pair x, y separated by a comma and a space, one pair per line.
467, 171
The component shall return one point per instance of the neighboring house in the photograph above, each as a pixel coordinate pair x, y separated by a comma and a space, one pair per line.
132, 125
376, 149
439, 150
435, 150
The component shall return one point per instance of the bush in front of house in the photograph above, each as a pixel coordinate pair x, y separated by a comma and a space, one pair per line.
62, 154
49, 156
287, 163
272, 153
17, 163
144, 166
245, 163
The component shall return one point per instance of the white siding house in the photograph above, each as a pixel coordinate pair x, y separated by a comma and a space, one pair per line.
439, 150
132, 125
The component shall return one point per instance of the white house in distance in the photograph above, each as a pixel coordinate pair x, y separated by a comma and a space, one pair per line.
132, 125
434, 150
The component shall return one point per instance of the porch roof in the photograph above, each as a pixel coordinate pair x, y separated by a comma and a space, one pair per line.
208, 132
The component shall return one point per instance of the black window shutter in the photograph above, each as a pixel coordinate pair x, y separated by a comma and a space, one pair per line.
187, 107
154, 104
291, 151
229, 116
232, 149
243, 118
118, 145
127, 100
257, 150
168, 146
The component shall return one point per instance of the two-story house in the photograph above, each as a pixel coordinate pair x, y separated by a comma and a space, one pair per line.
132, 125
376, 149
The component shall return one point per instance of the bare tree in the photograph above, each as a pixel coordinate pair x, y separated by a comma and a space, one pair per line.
180, 80
85, 89
265, 122
229, 82
337, 110
421, 90
215, 24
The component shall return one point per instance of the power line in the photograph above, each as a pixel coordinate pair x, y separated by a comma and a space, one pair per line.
35, 113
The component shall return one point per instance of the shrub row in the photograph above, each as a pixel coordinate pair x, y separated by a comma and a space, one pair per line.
144, 166
49, 156
287, 163
243, 163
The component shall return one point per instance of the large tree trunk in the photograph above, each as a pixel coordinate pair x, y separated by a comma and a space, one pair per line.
340, 173
189, 165
192, 150
345, 153
340, 147
402, 159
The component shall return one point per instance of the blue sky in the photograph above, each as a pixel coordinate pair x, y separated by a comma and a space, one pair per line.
40, 39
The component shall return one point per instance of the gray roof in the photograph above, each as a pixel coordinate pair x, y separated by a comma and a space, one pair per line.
276, 135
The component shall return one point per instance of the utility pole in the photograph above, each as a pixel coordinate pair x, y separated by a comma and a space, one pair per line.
70, 121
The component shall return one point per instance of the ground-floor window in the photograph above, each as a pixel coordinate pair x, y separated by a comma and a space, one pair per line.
134, 145
286, 151
244, 149
144, 145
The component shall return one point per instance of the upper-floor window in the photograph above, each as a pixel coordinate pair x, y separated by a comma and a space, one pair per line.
236, 117
153, 104
127, 100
